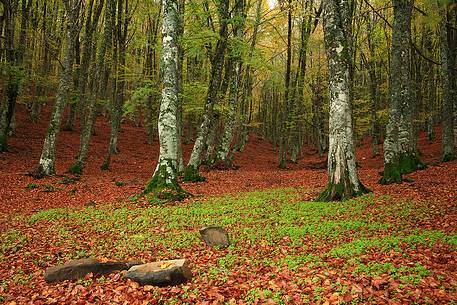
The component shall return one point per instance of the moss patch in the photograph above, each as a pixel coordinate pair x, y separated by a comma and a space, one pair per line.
164, 186
76, 168
391, 174
448, 157
191, 175
341, 192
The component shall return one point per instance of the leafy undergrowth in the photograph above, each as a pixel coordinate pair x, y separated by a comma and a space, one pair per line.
284, 250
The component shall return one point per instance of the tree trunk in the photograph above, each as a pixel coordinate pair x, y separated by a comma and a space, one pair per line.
227, 137
98, 83
247, 88
400, 155
46, 166
284, 134
123, 20
447, 94
343, 181
13, 74
166, 173
191, 171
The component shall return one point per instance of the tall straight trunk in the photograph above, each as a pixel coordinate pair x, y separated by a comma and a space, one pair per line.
447, 92
71, 119
298, 106
88, 48
285, 111
343, 181
98, 83
400, 155
248, 84
46, 164
12, 77
166, 173
227, 137
152, 74
123, 20
181, 167
191, 171
45, 67
374, 89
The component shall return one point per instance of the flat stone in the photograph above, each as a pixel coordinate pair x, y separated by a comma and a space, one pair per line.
161, 273
77, 269
215, 236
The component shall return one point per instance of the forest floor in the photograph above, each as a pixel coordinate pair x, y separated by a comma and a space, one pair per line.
397, 245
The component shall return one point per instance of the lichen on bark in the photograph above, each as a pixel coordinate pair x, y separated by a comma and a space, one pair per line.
164, 183
343, 181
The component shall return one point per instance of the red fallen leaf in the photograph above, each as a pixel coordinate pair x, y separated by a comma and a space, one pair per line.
356, 289
134, 285
214, 293
347, 298
379, 283
120, 288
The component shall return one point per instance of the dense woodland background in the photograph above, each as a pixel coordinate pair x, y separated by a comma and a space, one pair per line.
242, 66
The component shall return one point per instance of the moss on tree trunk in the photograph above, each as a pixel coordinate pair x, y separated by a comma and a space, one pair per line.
191, 174
340, 192
164, 184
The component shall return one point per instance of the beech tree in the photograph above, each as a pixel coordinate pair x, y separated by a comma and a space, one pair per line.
343, 181
166, 172
400, 152
191, 171
447, 92
46, 164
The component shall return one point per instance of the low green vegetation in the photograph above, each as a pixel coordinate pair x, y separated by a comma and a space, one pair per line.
274, 231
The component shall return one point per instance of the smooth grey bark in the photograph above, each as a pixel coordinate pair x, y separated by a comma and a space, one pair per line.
166, 173
285, 116
447, 92
181, 8
98, 83
45, 67
243, 132
227, 137
88, 48
46, 165
400, 155
71, 118
151, 67
12, 73
374, 88
191, 172
123, 20
343, 180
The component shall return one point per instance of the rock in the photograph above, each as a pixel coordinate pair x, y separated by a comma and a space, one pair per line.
215, 236
77, 269
162, 273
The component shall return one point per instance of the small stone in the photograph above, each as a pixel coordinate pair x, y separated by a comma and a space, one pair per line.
161, 274
215, 236
77, 269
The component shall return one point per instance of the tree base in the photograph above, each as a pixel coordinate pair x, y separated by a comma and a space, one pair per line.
340, 192
105, 166
407, 163
391, 174
410, 163
448, 157
164, 187
37, 173
191, 175
224, 165
76, 169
